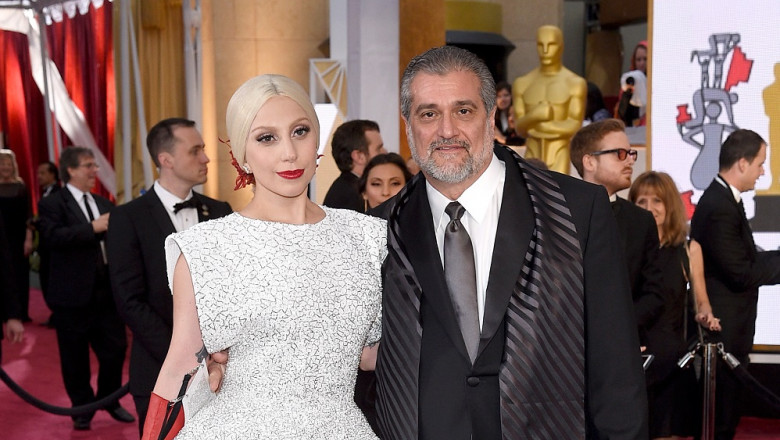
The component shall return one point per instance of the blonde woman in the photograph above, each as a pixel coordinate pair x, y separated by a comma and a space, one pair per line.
291, 288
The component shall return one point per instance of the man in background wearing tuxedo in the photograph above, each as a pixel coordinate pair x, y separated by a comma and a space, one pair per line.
136, 253
602, 154
733, 268
354, 144
49, 183
73, 223
48, 178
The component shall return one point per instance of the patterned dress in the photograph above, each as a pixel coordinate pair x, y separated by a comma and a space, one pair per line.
295, 304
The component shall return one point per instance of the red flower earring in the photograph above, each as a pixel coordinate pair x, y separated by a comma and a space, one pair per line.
244, 178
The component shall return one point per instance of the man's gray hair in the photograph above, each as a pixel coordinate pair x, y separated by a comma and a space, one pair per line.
441, 61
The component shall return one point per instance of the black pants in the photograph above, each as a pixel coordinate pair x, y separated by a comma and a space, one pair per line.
728, 392
365, 397
141, 408
99, 326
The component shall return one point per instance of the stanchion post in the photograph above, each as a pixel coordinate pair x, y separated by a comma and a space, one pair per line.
708, 401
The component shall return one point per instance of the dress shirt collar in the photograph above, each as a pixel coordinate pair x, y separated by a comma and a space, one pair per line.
77, 193
735, 192
167, 198
613, 198
475, 198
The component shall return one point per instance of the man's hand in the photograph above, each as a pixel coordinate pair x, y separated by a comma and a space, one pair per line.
14, 330
100, 224
217, 364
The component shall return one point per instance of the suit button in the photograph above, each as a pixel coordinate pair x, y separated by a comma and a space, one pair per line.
472, 381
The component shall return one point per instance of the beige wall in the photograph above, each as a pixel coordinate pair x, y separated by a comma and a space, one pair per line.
421, 28
521, 19
242, 39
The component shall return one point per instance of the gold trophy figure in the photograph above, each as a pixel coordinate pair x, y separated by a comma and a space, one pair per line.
771, 97
549, 103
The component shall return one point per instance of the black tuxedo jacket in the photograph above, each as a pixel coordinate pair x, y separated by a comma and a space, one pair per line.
136, 258
733, 268
74, 248
344, 193
458, 400
639, 236
50, 189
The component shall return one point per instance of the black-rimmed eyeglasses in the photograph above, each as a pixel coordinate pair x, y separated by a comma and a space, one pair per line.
622, 153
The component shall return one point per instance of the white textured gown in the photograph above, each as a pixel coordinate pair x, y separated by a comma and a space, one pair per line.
295, 304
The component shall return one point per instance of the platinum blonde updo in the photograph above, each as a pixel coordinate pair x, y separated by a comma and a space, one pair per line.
250, 97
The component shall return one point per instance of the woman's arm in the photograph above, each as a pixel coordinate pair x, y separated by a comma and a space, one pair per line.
368, 357
186, 341
28, 242
704, 314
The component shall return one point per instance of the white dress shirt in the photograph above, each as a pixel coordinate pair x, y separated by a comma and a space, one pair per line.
482, 201
79, 196
92, 206
735, 192
185, 217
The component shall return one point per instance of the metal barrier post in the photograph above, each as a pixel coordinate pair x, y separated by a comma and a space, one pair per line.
708, 402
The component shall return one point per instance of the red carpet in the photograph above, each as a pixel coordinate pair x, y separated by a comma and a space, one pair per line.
34, 364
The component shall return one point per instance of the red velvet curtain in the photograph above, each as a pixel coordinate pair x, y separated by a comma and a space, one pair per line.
82, 49
21, 107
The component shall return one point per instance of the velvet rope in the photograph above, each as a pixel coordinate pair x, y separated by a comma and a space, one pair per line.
59, 410
755, 387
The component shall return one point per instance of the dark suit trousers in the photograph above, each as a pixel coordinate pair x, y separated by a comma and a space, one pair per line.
141, 408
97, 325
365, 397
737, 339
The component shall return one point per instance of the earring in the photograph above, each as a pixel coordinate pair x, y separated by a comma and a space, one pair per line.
246, 168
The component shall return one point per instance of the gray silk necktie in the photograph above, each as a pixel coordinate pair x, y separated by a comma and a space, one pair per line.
461, 276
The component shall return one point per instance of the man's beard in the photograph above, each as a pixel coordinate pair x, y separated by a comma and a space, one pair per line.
453, 172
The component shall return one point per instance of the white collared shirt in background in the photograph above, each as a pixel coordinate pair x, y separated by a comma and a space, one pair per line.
79, 196
482, 201
182, 219
92, 206
735, 192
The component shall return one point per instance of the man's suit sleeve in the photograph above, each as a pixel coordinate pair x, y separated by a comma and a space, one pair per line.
129, 281
616, 396
727, 249
56, 230
654, 293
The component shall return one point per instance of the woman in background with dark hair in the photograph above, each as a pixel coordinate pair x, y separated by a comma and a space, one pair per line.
632, 99
671, 391
383, 177
595, 109
505, 125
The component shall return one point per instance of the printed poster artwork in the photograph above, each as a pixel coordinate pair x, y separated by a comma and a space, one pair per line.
715, 68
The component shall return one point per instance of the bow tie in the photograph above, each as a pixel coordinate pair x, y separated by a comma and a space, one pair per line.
192, 202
